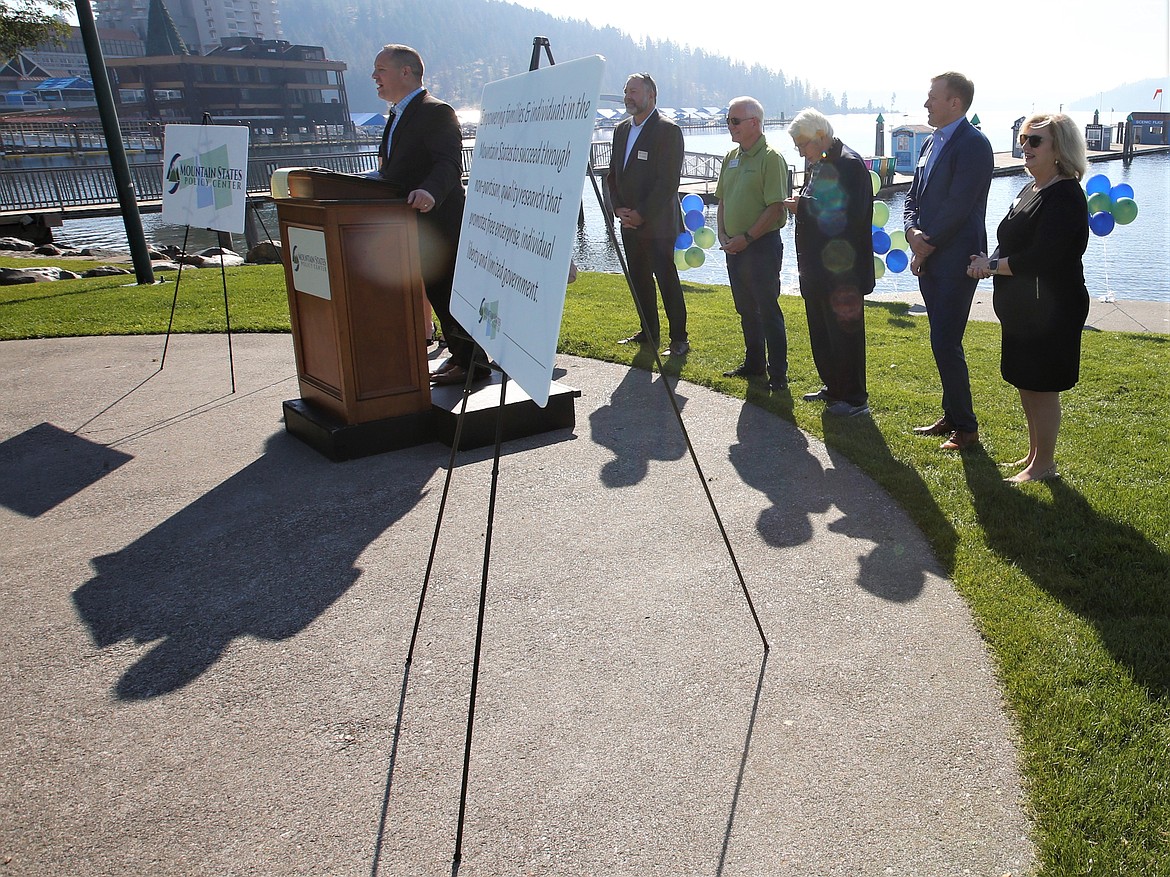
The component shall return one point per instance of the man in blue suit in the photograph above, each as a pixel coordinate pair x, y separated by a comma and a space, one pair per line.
945, 223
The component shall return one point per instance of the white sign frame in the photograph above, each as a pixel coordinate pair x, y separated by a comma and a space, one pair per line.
519, 225
205, 176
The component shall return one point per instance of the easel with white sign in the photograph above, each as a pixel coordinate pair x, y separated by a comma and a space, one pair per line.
205, 186
515, 250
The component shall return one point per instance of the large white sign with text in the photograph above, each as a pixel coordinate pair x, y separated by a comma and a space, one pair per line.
519, 226
205, 176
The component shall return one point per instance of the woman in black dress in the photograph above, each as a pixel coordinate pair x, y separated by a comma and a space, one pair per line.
1040, 296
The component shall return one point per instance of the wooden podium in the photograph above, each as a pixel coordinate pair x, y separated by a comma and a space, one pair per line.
360, 327
359, 315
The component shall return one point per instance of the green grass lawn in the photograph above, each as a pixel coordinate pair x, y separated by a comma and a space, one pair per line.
1068, 581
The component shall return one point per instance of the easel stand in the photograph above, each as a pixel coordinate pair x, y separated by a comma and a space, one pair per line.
538, 44
223, 276
226, 312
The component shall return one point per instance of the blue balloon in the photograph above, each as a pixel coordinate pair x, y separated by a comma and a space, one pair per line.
684, 241
1097, 183
1121, 190
897, 260
691, 202
881, 242
694, 220
1102, 223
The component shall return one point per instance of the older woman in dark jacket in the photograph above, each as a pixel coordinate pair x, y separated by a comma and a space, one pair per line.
1040, 296
834, 258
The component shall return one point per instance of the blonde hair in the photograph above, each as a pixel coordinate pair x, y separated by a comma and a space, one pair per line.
1068, 143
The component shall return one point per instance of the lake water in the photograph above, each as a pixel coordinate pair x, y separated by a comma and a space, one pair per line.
1133, 262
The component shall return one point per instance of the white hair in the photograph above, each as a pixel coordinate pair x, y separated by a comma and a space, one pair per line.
810, 124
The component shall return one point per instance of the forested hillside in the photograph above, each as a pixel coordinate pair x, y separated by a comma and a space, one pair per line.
468, 43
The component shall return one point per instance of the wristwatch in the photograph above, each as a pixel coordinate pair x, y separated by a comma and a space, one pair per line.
747, 236
993, 265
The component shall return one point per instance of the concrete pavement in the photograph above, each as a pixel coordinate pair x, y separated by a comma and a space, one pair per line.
1104, 316
205, 626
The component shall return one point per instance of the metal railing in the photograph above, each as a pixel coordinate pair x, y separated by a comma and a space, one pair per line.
75, 189
92, 190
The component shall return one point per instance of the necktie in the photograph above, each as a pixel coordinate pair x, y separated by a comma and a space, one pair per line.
389, 124
936, 146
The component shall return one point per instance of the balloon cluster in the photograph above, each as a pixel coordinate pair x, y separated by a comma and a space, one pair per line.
890, 248
1109, 205
689, 246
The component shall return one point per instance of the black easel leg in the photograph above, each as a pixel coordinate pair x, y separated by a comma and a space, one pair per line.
227, 319
442, 506
487, 553
174, 301
678, 416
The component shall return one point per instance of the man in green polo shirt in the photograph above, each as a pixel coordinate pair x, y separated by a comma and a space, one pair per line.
751, 191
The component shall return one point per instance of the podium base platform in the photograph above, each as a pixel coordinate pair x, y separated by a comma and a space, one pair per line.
347, 441
522, 417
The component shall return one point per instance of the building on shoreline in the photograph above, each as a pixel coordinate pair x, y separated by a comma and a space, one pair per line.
202, 24
277, 89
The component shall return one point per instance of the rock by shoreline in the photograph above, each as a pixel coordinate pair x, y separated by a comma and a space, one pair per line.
162, 259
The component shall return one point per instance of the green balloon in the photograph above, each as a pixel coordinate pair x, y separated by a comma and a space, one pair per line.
705, 237
695, 257
680, 260
875, 182
1100, 202
881, 213
1125, 211
898, 240
879, 267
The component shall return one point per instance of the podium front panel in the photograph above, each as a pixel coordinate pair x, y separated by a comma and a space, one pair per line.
381, 260
357, 325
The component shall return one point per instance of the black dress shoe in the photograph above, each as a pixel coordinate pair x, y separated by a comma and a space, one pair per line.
942, 426
742, 371
821, 395
639, 338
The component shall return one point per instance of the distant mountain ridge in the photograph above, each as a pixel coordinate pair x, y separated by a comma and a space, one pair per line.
466, 44
1127, 98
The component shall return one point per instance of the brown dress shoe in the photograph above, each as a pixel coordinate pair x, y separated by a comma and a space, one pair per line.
942, 426
960, 440
457, 375
445, 366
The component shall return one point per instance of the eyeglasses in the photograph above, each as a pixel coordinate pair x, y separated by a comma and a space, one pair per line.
1032, 140
733, 122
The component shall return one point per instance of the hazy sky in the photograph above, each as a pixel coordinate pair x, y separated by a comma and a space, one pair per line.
1021, 55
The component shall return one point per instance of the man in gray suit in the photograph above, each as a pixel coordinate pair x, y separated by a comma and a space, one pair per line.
643, 179
945, 222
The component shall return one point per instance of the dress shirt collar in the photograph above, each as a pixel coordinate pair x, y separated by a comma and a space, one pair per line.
397, 107
946, 132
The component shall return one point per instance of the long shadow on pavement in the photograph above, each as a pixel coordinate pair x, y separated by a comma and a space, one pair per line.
261, 555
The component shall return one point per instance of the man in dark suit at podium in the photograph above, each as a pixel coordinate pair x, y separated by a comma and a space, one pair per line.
422, 155
644, 168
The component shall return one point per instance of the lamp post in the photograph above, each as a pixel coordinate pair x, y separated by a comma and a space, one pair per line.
143, 270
